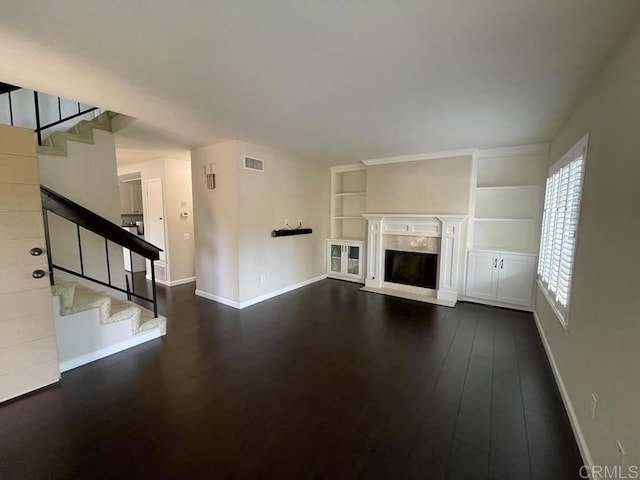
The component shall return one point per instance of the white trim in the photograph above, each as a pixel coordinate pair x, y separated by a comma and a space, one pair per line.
577, 431
138, 339
275, 293
181, 281
552, 304
421, 156
533, 149
352, 167
216, 298
580, 148
261, 298
173, 283
493, 303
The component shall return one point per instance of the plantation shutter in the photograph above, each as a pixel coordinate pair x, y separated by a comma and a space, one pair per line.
560, 227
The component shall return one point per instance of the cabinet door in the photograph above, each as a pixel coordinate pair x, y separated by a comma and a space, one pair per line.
136, 198
334, 258
481, 275
353, 261
125, 198
516, 274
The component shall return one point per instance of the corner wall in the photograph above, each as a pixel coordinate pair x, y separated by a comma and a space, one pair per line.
289, 188
215, 216
237, 260
600, 353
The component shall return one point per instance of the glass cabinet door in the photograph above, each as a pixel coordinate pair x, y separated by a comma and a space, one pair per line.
353, 260
336, 258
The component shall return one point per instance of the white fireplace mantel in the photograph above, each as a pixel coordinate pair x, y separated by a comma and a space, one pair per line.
445, 226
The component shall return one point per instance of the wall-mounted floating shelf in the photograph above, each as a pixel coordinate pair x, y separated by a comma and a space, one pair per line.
285, 232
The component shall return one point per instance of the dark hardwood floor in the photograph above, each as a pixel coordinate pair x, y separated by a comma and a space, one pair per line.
326, 382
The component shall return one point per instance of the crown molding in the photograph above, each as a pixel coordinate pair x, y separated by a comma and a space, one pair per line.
421, 156
533, 149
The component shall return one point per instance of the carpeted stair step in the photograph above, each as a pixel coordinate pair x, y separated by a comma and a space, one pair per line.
75, 298
56, 143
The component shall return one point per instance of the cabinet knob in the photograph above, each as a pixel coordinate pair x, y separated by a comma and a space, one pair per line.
495, 262
38, 273
502, 263
36, 251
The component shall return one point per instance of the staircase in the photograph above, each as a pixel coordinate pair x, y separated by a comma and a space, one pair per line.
56, 143
92, 324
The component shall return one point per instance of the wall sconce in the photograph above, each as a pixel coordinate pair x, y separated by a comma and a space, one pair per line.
210, 172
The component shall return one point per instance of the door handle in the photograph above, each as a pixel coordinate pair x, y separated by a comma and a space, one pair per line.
502, 263
38, 273
36, 251
495, 262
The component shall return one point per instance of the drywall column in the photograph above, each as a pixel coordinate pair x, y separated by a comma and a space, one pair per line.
215, 214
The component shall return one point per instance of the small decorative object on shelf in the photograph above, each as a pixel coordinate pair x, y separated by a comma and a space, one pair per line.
285, 232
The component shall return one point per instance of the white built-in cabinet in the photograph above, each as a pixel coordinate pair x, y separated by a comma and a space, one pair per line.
348, 227
506, 278
348, 201
130, 198
345, 259
504, 234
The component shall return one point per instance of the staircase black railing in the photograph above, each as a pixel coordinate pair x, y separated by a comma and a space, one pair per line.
7, 89
84, 218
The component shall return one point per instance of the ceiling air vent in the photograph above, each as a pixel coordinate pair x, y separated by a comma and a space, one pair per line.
254, 164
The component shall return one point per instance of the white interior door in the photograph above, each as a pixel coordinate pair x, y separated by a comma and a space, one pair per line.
155, 221
28, 352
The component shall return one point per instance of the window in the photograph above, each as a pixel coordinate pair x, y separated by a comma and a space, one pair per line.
560, 228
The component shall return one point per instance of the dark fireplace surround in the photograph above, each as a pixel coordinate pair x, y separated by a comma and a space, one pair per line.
417, 269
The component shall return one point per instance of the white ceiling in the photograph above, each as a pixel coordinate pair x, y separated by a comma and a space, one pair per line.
327, 80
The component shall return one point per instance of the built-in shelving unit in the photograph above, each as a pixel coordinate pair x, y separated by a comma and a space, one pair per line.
345, 248
507, 199
348, 201
506, 211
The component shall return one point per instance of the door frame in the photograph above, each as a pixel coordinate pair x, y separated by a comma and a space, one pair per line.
145, 210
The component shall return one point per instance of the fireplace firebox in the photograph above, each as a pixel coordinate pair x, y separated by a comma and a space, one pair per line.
411, 268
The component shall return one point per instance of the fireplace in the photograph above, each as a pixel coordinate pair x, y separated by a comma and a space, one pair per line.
411, 268
416, 256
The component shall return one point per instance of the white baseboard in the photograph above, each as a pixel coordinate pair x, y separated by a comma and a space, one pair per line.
173, 283
110, 350
577, 431
181, 281
261, 298
216, 298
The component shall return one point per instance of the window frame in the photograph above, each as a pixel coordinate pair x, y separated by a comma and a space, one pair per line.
580, 149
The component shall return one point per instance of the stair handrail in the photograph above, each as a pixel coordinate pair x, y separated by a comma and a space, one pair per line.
83, 217
39, 127
65, 208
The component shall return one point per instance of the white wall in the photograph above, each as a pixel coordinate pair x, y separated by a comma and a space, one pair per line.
215, 215
88, 176
600, 353
233, 223
439, 185
289, 188
176, 177
178, 191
